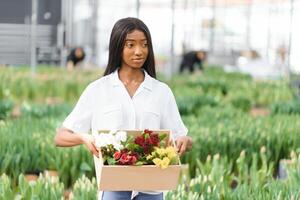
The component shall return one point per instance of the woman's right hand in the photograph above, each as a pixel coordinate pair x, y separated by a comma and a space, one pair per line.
89, 141
67, 138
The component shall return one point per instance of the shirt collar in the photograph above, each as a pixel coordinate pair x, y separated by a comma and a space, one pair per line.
147, 83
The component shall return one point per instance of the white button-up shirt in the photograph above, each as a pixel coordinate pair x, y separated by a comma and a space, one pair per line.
105, 104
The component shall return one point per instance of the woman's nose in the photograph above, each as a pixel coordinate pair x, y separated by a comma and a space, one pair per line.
138, 51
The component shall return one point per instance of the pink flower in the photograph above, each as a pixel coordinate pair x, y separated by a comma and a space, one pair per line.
124, 159
117, 155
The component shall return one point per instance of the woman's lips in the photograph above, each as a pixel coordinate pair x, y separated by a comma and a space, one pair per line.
138, 60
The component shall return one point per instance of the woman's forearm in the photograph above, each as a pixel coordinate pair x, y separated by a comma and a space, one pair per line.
66, 138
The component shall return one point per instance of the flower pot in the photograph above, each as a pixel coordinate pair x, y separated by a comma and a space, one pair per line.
31, 177
51, 173
257, 111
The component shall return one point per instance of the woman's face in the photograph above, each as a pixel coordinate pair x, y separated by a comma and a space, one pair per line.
135, 51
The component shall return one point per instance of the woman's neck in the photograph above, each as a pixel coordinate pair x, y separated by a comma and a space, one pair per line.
131, 75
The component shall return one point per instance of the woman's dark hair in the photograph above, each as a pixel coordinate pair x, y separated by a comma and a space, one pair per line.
117, 42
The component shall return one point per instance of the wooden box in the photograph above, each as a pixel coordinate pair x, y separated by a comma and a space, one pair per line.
139, 178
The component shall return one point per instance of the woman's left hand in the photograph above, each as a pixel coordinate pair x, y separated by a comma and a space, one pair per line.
183, 144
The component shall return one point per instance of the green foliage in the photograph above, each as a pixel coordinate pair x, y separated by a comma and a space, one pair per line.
191, 105
229, 131
6, 107
35, 150
20, 85
6, 191
214, 180
289, 108
40, 110
242, 103
214, 107
85, 188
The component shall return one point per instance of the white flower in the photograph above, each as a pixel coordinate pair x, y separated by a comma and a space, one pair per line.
109, 139
103, 139
112, 138
121, 136
117, 146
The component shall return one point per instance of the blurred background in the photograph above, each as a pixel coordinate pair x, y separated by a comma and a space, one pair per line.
44, 32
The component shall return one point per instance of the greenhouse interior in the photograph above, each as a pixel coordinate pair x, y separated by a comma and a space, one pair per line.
208, 108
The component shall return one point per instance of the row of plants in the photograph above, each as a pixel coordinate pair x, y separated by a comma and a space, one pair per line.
59, 85
27, 146
214, 180
47, 85
27, 142
8, 109
215, 107
46, 188
228, 87
229, 131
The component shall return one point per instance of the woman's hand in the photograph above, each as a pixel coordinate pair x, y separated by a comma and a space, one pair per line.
67, 138
183, 144
89, 141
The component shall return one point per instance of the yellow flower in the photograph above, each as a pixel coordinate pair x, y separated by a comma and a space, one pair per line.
171, 152
157, 161
163, 157
165, 163
149, 157
160, 151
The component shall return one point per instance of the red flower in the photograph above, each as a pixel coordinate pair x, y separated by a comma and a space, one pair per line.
140, 140
147, 140
124, 159
135, 154
133, 160
124, 151
146, 148
154, 139
117, 155
148, 131
128, 158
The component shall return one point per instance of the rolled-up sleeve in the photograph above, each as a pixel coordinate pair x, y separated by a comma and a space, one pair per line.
79, 120
171, 118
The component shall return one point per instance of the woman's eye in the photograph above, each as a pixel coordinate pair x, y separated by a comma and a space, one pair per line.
145, 45
129, 45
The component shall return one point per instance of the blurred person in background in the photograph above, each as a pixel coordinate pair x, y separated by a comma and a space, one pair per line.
192, 58
127, 97
75, 57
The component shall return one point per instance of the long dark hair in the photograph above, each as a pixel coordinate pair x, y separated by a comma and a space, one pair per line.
117, 41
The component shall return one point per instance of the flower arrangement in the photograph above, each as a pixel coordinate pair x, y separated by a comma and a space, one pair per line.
118, 148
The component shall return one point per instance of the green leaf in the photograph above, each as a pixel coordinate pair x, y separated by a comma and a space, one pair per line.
139, 163
111, 161
85, 167
162, 136
146, 136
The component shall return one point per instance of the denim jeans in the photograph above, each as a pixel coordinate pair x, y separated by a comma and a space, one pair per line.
126, 195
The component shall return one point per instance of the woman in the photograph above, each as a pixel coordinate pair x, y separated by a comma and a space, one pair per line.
75, 57
127, 97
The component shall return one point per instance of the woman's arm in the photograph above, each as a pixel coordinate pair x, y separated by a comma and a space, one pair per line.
67, 138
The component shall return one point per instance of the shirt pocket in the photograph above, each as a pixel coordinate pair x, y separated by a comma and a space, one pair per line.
112, 116
150, 118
